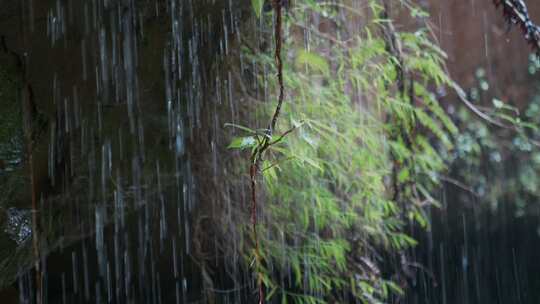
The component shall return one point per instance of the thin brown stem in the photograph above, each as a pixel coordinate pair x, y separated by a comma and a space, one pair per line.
259, 151
279, 62
282, 136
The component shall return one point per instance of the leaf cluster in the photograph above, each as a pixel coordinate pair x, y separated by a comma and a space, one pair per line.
329, 213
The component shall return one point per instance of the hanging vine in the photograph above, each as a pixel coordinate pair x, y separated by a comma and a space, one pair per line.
516, 12
258, 151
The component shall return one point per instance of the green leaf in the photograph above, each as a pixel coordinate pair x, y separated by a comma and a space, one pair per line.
240, 127
314, 61
242, 142
271, 293
395, 288
257, 7
403, 175
497, 103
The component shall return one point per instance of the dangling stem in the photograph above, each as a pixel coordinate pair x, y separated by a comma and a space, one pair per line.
253, 168
279, 63
267, 142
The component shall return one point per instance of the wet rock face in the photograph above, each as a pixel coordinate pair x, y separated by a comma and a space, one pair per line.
18, 225
133, 91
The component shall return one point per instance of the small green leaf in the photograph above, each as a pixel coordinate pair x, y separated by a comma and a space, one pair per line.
240, 127
403, 175
271, 293
314, 61
497, 103
242, 143
395, 288
257, 7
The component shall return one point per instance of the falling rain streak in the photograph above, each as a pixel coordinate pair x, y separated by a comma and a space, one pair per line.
135, 179
135, 85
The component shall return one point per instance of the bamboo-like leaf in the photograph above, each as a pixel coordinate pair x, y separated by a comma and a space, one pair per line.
313, 60
257, 7
242, 143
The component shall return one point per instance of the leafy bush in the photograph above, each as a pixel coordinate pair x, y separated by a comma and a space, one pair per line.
359, 155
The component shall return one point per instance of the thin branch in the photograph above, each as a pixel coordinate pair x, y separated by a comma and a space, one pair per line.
277, 163
342, 43
284, 134
516, 12
279, 63
459, 184
463, 98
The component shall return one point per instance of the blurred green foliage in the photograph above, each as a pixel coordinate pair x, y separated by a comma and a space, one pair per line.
500, 165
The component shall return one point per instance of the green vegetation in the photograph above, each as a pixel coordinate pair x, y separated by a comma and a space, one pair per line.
11, 132
508, 157
364, 143
13, 179
11, 139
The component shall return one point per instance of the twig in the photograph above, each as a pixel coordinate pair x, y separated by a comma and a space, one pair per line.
515, 12
463, 98
277, 163
283, 135
459, 185
253, 168
341, 43
279, 63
